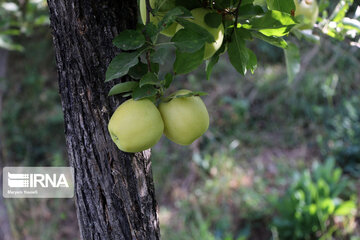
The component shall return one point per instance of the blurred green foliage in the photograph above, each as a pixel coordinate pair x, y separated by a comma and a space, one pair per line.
341, 139
32, 115
20, 18
318, 205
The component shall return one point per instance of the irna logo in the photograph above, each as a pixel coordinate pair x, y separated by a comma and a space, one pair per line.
38, 182
18, 180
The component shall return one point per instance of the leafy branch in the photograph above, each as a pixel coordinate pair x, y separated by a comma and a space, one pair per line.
198, 29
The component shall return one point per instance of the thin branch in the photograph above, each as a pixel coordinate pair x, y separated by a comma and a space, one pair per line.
236, 16
148, 11
237, 13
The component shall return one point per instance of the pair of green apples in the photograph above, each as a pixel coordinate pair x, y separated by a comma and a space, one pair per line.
138, 125
198, 13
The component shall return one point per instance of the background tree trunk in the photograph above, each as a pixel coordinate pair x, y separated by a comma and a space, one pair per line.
115, 196
5, 230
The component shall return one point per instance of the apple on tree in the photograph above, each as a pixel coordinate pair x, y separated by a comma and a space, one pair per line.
185, 118
310, 10
163, 6
136, 125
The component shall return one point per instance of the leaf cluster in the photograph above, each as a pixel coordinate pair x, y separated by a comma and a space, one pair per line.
243, 20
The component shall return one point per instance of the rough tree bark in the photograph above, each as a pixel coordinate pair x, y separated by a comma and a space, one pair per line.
114, 191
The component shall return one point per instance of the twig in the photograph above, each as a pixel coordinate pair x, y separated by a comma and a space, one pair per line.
237, 13
148, 60
236, 16
148, 11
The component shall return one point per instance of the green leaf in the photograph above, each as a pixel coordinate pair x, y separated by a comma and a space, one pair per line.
249, 10
151, 31
213, 60
186, 62
276, 41
213, 19
252, 63
190, 94
340, 10
155, 67
10, 32
238, 53
210, 64
42, 20
292, 58
160, 54
272, 23
196, 28
171, 16
189, 4
137, 71
188, 41
121, 64
144, 92
129, 40
246, 2
351, 24
245, 33
123, 87
149, 79
346, 208
286, 6
168, 80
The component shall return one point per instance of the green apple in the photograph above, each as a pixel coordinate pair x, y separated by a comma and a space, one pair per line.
163, 6
218, 33
136, 125
310, 10
185, 118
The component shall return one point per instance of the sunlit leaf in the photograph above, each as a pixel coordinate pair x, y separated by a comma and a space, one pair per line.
276, 41
272, 23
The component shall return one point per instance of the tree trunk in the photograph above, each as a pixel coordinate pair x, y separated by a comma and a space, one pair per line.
5, 230
115, 197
